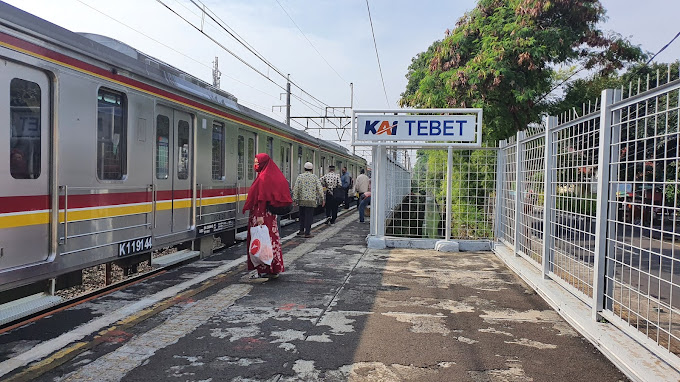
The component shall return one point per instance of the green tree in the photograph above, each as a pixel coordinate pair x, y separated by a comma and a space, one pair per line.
502, 57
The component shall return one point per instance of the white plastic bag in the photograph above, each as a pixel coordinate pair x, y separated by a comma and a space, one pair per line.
261, 251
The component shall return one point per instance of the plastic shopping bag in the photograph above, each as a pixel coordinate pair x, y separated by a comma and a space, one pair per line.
260, 250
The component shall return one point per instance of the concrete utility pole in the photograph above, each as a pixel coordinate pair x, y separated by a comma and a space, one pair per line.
287, 105
216, 73
288, 101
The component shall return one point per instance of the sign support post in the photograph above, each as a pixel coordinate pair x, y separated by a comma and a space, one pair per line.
412, 129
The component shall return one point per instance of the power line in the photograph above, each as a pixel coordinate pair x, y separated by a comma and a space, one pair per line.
232, 53
169, 47
662, 49
310, 43
376, 53
242, 41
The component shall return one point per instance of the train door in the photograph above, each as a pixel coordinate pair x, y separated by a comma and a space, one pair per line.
285, 161
25, 212
172, 178
247, 148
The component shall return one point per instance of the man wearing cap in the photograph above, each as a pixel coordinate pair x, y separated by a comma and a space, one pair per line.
307, 193
331, 181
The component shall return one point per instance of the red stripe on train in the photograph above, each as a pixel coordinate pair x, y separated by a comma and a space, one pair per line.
9, 204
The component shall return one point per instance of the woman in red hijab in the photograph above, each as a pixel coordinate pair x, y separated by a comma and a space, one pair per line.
271, 187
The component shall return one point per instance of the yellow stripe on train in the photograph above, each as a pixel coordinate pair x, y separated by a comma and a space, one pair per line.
43, 217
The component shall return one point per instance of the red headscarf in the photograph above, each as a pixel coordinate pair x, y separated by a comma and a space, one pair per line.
269, 186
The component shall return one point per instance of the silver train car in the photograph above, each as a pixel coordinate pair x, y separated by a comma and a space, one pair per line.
111, 153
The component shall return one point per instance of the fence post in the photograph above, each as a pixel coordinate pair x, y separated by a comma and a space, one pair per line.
499, 211
601, 214
381, 192
449, 182
548, 203
518, 189
374, 187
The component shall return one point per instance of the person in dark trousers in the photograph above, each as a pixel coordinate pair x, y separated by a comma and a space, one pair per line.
361, 185
346, 181
307, 193
331, 181
365, 202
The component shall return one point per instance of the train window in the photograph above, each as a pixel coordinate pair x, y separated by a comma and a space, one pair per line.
251, 158
285, 160
111, 135
270, 147
183, 150
162, 146
299, 159
241, 156
218, 151
24, 142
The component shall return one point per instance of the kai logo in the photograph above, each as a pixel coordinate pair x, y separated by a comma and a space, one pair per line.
384, 128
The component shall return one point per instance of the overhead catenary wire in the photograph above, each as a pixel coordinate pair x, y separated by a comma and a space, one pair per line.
170, 47
216, 19
376, 53
310, 43
231, 52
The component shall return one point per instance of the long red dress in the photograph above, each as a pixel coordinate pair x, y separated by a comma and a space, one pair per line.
260, 210
271, 187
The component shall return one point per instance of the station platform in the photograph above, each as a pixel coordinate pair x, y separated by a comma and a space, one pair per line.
340, 312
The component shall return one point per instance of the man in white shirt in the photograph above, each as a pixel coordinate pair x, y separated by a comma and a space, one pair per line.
361, 185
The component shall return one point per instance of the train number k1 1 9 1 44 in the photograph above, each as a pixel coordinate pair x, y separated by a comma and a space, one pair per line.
132, 247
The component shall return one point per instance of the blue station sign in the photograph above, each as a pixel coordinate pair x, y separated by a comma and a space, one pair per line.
403, 127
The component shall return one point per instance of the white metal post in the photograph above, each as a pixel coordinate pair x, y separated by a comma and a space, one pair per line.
548, 192
449, 182
379, 202
603, 165
518, 189
500, 206
374, 180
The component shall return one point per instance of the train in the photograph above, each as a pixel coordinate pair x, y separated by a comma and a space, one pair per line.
114, 154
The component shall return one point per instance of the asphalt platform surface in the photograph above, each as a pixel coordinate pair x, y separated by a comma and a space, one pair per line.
340, 312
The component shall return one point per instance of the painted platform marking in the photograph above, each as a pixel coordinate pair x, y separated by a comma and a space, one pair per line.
115, 365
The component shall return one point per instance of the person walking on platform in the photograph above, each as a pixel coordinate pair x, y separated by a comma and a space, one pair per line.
346, 180
365, 202
306, 193
331, 181
270, 187
361, 185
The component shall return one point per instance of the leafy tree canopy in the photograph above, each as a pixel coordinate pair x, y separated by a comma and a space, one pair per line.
590, 88
502, 57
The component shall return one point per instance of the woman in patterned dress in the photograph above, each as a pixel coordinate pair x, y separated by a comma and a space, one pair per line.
271, 187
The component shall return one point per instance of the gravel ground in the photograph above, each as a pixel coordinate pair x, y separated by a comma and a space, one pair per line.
95, 277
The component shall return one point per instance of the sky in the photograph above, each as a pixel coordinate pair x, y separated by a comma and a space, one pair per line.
323, 44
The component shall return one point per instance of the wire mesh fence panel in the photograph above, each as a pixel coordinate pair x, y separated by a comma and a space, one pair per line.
508, 190
473, 184
422, 212
531, 187
574, 194
643, 258
402, 209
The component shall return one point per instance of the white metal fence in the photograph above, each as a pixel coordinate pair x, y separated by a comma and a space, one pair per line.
599, 209
454, 186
